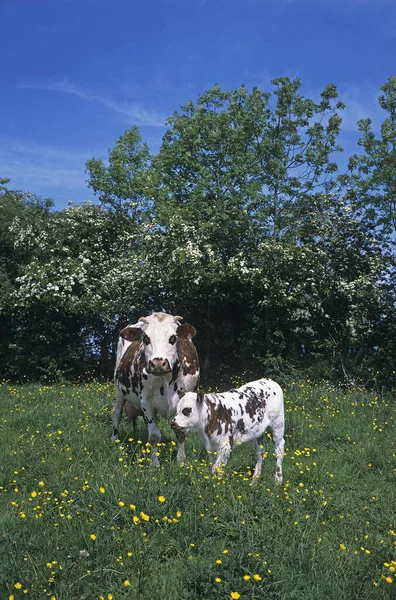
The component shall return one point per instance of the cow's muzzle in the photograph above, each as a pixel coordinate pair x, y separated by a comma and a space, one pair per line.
159, 366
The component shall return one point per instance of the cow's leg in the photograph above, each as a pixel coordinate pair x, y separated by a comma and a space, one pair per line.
223, 454
154, 434
117, 412
279, 448
260, 452
181, 451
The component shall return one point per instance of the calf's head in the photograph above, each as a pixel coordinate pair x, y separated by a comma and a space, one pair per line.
159, 333
189, 413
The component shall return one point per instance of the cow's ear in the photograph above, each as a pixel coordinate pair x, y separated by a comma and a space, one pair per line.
131, 334
180, 393
185, 330
200, 396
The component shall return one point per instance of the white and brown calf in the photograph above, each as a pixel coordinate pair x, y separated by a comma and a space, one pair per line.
230, 418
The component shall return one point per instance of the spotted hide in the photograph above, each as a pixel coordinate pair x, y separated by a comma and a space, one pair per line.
156, 360
230, 418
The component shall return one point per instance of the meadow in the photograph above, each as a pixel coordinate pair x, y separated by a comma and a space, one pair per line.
84, 518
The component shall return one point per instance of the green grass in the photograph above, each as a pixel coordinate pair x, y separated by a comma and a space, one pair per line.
326, 533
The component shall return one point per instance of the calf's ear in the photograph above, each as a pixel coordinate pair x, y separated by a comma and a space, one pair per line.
200, 396
180, 393
185, 330
131, 334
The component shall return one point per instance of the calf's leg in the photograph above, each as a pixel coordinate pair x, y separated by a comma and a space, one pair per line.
279, 448
223, 454
260, 452
181, 451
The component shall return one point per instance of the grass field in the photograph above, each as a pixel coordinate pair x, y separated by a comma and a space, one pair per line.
84, 518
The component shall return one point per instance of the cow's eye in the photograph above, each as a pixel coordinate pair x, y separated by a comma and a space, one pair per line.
187, 411
146, 340
172, 339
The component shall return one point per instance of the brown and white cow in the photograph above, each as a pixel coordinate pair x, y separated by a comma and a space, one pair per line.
233, 417
156, 359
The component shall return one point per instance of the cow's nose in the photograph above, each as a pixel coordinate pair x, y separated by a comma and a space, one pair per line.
159, 365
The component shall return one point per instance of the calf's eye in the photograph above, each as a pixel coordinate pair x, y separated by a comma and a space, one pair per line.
187, 411
172, 339
146, 340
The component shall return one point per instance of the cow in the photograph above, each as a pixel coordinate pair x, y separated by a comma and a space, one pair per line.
156, 360
230, 418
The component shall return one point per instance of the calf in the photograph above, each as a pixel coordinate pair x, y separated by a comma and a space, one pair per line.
230, 418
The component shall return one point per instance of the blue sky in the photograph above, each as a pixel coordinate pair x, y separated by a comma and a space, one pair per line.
74, 74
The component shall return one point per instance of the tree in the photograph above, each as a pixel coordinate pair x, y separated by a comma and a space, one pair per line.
237, 178
236, 162
374, 173
18, 210
121, 185
77, 290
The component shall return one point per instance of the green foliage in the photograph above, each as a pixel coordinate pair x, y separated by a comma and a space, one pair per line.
374, 172
121, 185
19, 212
76, 287
235, 163
240, 223
73, 510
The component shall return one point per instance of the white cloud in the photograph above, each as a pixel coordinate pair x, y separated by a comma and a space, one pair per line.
133, 113
43, 169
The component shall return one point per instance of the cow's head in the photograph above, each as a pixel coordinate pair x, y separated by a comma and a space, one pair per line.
189, 413
159, 333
